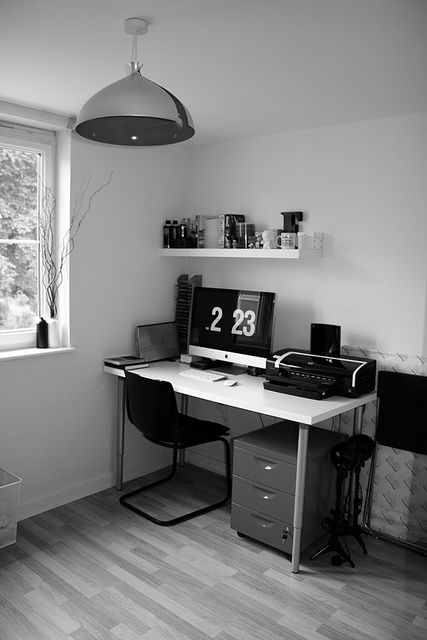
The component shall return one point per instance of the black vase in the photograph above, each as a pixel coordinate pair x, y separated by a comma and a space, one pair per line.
42, 341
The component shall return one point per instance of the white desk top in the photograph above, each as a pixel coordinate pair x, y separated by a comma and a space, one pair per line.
250, 394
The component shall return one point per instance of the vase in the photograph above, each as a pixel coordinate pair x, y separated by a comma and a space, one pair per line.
42, 340
52, 333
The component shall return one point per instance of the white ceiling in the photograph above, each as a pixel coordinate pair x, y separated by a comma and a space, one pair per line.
242, 67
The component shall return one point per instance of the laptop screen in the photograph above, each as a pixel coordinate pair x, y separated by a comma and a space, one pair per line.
157, 341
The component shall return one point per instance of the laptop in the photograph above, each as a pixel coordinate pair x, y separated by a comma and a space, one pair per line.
157, 341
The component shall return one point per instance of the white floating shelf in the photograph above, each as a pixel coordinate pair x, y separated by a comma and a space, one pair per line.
277, 254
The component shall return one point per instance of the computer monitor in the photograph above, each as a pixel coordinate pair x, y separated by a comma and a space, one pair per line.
232, 326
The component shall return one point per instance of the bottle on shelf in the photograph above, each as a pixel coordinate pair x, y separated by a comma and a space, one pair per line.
174, 230
183, 234
166, 234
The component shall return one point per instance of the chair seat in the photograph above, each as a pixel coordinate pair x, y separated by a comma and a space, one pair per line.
193, 431
196, 431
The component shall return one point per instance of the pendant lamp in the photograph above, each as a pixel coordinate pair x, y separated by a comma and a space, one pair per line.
134, 111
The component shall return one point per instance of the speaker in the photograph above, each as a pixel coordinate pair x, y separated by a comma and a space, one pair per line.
325, 339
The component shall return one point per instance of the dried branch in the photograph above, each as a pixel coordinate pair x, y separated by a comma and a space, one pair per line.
53, 269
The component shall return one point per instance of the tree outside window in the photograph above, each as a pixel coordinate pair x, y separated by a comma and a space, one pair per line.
19, 239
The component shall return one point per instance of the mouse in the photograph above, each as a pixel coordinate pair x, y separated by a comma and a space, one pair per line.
230, 383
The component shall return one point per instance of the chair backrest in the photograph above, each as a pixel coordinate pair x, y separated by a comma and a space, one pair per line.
151, 407
402, 413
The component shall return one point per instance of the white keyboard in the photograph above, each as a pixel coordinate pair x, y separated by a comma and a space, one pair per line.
202, 374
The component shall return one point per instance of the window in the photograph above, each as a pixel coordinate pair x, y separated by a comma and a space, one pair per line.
27, 163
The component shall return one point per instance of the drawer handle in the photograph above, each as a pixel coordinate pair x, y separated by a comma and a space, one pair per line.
263, 493
262, 522
266, 464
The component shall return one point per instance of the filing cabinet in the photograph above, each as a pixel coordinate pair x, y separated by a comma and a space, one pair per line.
264, 475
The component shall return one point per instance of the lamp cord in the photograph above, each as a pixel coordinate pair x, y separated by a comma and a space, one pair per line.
135, 48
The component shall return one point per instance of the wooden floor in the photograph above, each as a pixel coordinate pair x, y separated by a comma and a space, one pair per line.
94, 570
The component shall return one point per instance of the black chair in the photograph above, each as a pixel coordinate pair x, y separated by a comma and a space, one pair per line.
402, 411
151, 408
401, 424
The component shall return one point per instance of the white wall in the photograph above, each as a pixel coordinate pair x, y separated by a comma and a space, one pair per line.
364, 185
57, 424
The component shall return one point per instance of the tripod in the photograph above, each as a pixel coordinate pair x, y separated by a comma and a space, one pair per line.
348, 457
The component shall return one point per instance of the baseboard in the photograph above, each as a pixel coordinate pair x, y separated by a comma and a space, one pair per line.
205, 462
65, 495
88, 487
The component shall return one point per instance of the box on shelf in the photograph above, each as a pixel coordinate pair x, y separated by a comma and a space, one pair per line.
193, 234
9, 501
245, 235
205, 231
307, 241
211, 232
227, 232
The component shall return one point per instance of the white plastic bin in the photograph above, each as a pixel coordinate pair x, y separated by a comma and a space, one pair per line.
9, 500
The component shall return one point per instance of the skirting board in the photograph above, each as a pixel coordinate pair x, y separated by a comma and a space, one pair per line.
89, 487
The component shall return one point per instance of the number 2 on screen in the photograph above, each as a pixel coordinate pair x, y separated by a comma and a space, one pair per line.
240, 317
216, 311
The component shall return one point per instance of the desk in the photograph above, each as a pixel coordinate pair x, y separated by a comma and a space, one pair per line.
248, 394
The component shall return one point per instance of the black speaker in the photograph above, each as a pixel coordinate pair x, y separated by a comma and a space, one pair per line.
325, 339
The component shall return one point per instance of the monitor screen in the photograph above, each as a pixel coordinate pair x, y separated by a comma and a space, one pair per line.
232, 325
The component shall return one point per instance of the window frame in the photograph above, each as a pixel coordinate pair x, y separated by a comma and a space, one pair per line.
43, 142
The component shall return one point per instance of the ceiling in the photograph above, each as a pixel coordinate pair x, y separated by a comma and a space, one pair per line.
242, 67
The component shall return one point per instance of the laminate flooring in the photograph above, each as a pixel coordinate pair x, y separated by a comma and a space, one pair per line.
94, 570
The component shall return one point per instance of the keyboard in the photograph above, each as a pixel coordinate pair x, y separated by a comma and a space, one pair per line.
202, 374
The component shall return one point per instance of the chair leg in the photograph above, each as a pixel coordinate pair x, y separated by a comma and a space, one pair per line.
215, 505
123, 499
192, 514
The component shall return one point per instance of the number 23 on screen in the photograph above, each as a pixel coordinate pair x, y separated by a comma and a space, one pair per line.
244, 321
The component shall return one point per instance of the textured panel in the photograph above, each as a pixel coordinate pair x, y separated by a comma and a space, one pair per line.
399, 493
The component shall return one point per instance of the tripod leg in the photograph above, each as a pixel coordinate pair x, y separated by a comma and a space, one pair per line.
328, 547
342, 555
335, 524
355, 528
358, 537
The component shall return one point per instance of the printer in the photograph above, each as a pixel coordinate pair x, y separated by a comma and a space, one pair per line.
302, 373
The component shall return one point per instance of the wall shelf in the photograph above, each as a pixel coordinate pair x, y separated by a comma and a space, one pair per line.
275, 254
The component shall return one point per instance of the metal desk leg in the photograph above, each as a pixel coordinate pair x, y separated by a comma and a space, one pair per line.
357, 421
184, 410
120, 432
357, 428
299, 494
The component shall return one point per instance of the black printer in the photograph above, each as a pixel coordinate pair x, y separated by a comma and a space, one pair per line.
301, 373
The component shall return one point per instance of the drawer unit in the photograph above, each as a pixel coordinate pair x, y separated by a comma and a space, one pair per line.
264, 470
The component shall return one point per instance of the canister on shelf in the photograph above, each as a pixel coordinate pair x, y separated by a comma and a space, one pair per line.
166, 234
182, 240
173, 234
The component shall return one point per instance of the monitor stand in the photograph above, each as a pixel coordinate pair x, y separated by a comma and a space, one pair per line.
228, 368
202, 363
218, 365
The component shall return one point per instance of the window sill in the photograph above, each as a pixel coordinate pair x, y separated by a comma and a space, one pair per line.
31, 353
